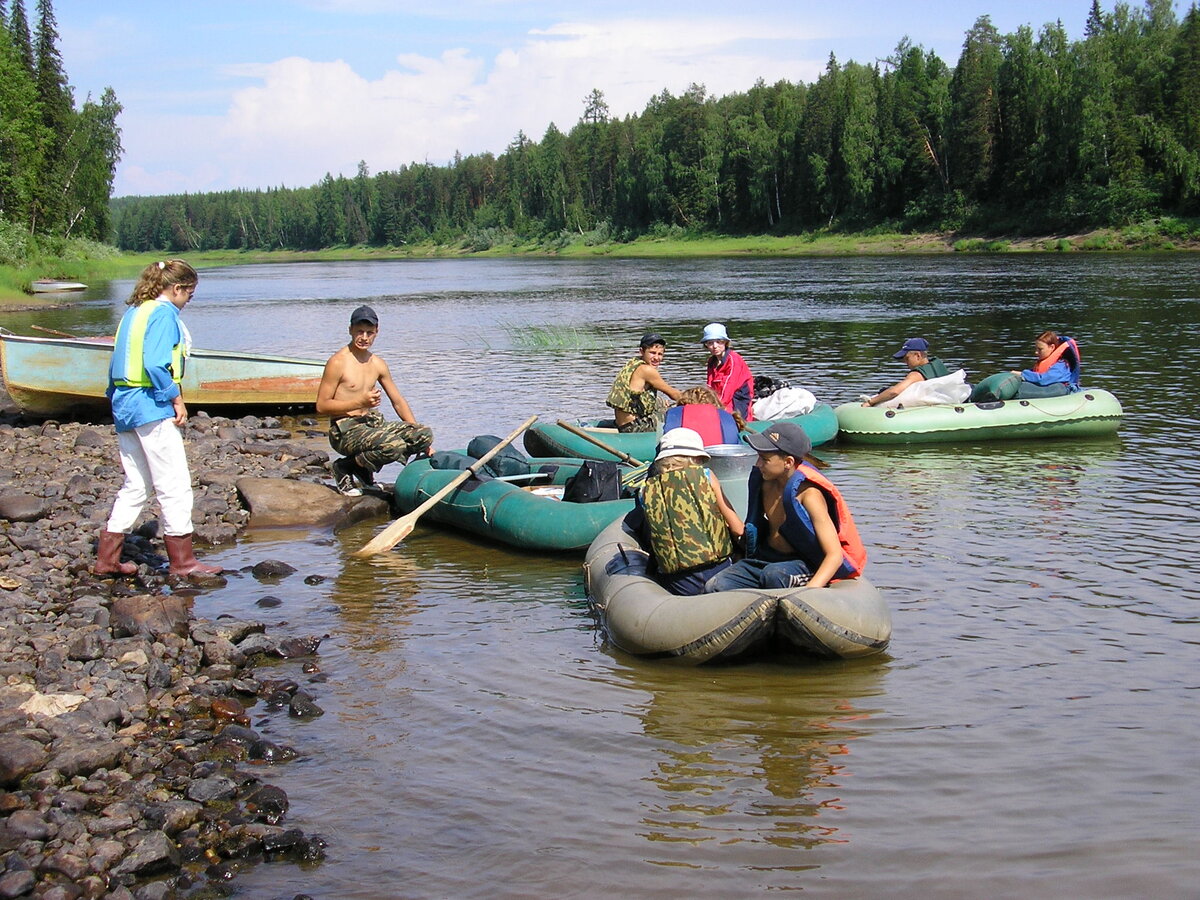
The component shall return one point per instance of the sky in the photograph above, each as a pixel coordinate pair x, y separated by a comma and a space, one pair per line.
222, 94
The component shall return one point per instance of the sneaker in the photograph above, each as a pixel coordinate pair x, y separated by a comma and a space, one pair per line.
362, 472
342, 478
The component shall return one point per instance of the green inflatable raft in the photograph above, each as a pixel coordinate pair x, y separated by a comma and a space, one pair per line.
526, 512
548, 439
1086, 413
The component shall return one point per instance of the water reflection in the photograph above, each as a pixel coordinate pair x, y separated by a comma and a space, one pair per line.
750, 760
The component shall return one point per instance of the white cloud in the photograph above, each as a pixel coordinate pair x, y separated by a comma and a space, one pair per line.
304, 118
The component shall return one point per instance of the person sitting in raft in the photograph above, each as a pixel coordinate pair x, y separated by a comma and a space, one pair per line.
798, 530
634, 394
728, 374
915, 354
683, 517
699, 408
1056, 371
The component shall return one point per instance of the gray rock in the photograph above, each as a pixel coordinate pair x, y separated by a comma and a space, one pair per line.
19, 757
149, 852
215, 787
29, 825
17, 883
282, 501
87, 643
150, 615
83, 759
17, 506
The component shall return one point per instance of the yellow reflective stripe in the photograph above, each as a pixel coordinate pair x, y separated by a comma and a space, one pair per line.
133, 367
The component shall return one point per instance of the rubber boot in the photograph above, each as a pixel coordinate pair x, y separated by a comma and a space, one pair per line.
183, 559
108, 555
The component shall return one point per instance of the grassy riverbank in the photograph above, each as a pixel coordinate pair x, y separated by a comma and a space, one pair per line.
88, 262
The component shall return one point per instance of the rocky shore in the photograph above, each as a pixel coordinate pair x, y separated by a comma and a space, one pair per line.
128, 767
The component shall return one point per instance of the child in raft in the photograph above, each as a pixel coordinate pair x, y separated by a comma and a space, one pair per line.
683, 517
799, 531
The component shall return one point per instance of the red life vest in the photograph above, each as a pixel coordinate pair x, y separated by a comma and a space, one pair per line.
715, 426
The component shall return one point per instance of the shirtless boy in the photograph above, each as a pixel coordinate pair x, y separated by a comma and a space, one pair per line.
634, 394
351, 391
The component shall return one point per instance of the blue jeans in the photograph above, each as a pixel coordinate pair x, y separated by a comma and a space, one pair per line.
692, 583
760, 573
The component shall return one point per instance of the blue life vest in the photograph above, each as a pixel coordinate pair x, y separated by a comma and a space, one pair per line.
797, 528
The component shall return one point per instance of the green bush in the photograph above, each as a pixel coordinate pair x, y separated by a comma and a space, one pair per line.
16, 244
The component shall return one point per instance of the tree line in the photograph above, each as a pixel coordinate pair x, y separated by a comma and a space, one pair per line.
1028, 132
57, 160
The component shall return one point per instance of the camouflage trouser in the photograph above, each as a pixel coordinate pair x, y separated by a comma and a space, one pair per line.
375, 442
649, 422
641, 426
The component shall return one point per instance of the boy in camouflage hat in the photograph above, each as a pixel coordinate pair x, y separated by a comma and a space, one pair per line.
351, 390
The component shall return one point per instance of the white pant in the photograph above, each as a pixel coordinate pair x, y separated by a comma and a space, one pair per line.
154, 461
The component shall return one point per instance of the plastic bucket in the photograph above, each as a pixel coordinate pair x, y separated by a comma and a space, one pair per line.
731, 463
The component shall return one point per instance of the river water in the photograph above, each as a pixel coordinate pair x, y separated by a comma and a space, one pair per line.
1032, 730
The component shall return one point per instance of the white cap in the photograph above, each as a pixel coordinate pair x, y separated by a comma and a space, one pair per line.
681, 442
714, 331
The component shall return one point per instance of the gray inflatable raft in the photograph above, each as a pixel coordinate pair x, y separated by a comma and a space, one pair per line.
845, 620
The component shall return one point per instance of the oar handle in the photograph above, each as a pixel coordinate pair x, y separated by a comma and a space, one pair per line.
579, 432
398, 530
54, 332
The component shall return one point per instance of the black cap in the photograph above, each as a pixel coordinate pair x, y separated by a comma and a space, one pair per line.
784, 437
650, 339
364, 314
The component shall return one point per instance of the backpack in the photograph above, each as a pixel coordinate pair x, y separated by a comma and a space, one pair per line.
509, 461
596, 481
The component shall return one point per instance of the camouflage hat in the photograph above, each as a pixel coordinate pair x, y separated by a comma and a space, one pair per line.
681, 442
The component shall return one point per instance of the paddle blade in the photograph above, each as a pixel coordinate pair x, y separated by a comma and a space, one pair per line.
389, 537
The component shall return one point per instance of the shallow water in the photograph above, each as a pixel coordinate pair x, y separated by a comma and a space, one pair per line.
1031, 731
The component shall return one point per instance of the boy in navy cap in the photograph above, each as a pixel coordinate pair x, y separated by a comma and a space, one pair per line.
915, 354
799, 531
351, 390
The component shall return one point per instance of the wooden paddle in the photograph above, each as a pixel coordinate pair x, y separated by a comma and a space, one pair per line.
54, 332
402, 527
579, 432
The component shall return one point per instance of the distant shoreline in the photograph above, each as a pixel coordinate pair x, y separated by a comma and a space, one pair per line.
1144, 238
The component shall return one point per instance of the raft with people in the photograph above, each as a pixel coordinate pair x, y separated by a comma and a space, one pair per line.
551, 439
846, 620
1086, 413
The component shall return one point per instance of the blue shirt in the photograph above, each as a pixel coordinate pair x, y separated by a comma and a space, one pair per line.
134, 406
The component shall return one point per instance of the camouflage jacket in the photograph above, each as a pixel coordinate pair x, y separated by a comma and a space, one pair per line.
685, 525
637, 403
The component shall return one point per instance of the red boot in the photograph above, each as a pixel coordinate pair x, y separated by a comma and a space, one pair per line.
183, 559
108, 555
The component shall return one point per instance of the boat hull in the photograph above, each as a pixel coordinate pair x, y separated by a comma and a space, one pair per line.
56, 287
60, 376
846, 620
549, 439
505, 512
1087, 413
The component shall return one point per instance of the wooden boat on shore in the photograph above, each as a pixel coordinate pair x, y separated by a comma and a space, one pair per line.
526, 512
49, 286
549, 439
57, 376
845, 620
1087, 413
